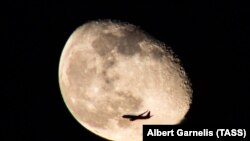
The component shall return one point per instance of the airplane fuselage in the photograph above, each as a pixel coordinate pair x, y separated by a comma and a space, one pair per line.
136, 117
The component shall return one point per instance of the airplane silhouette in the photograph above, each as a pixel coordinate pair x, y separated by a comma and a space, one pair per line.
135, 117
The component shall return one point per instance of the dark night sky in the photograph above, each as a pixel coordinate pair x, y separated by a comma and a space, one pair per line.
211, 39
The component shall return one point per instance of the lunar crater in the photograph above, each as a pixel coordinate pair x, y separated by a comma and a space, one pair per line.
126, 44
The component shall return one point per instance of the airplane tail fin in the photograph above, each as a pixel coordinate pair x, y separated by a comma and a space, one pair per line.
148, 115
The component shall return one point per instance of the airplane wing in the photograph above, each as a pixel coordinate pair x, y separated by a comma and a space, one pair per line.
132, 119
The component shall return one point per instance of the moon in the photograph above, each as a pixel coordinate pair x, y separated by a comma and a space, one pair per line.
109, 69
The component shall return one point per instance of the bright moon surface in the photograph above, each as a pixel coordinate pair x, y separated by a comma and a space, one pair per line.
111, 69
